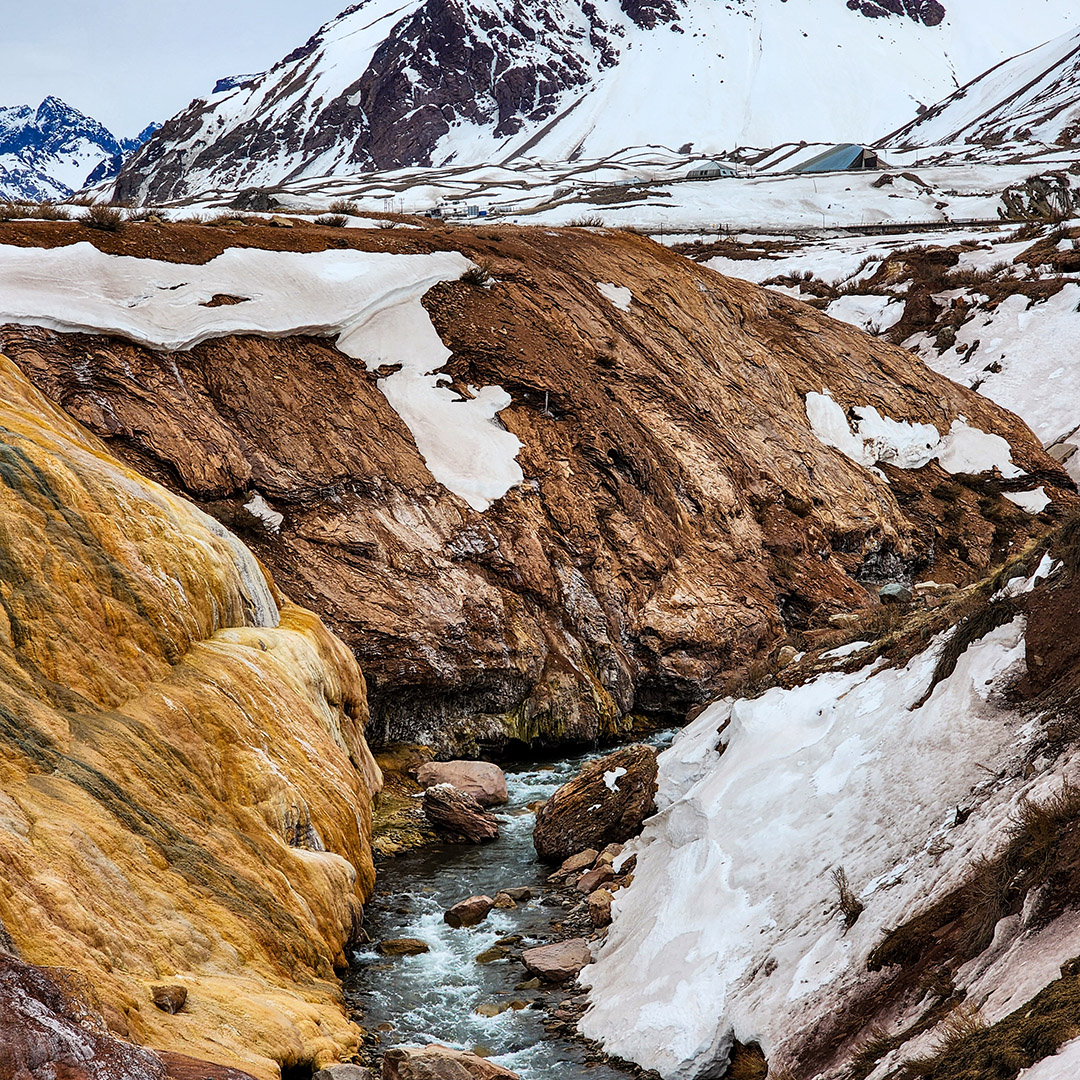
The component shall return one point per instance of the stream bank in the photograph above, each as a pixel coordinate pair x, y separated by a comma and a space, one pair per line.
435, 996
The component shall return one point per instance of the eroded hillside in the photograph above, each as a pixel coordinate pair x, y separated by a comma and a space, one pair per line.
678, 518
185, 790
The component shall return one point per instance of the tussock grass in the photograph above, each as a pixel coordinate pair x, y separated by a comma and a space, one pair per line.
850, 905
105, 218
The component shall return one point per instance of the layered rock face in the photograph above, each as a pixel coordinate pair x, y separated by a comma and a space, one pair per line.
185, 790
678, 516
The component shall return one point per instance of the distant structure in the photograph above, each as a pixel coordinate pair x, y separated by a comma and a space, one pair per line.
841, 157
710, 170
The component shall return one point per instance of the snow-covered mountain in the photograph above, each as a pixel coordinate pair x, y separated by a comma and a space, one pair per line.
429, 82
54, 150
1033, 98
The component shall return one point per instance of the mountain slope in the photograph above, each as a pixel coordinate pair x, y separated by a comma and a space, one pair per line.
1032, 98
433, 81
54, 150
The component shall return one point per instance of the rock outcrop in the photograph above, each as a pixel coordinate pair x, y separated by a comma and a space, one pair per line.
679, 518
186, 789
604, 804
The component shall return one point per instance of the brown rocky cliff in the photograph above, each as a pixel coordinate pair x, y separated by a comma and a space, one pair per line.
678, 516
185, 790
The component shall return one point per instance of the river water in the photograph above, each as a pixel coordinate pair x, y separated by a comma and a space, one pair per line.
433, 997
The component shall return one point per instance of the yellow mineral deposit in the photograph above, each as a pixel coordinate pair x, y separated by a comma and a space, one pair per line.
185, 789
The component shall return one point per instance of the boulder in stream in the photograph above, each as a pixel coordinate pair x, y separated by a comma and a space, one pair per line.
406, 946
483, 780
457, 816
469, 912
605, 803
559, 962
434, 1062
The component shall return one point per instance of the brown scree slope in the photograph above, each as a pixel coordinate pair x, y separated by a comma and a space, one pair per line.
678, 518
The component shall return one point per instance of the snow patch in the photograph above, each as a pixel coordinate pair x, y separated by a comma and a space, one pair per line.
611, 778
258, 507
1034, 501
369, 300
619, 295
876, 438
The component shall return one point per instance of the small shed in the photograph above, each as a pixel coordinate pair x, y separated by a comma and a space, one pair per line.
841, 157
710, 170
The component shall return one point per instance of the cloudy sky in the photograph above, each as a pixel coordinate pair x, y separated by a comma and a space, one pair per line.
128, 62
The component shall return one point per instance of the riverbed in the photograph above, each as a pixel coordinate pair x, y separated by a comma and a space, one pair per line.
433, 997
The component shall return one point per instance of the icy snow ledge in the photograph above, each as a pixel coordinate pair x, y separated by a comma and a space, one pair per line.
619, 295
733, 913
370, 300
907, 446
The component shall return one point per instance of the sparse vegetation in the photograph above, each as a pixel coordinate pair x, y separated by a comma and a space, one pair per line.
592, 221
479, 274
48, 211
105, 218
333, 221
850, 905
346, 207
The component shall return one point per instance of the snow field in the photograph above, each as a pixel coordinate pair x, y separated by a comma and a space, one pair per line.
733, 912
369, 301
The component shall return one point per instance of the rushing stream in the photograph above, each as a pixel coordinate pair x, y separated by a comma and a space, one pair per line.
433, 997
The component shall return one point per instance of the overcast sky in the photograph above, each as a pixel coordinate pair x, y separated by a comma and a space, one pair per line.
128, 62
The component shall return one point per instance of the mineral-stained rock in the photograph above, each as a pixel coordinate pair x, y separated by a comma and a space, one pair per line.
559, 962
458, 816
169, 998
604, 804
485, 781
434, 1062
469, 912
679, 515
169, 726
402, 947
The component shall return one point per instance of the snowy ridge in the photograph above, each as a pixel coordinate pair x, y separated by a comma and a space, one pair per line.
387, 85
1032, 98
54, 150
733, 910
369, 301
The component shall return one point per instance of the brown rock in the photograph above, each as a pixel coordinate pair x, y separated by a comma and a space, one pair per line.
559, 962
402, 947
345, 1072
573, 865
600, 907
169, 998
434, 1062
458, 816
469, 912
505, 901
593, 879
518, 893
483, 780
605, 803
608, 856
496, 952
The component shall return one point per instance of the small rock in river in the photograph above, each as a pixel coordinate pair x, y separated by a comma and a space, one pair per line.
458, 816
496, 952
483, 780
504, 901
558, 962
345, 1072
469, 912
518, 894
432, 1061
406, 946
593, 879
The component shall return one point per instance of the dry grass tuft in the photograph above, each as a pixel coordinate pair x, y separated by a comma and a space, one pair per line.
105, 218
850, 905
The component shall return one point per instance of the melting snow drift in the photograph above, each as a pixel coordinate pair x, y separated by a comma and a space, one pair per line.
369, 300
